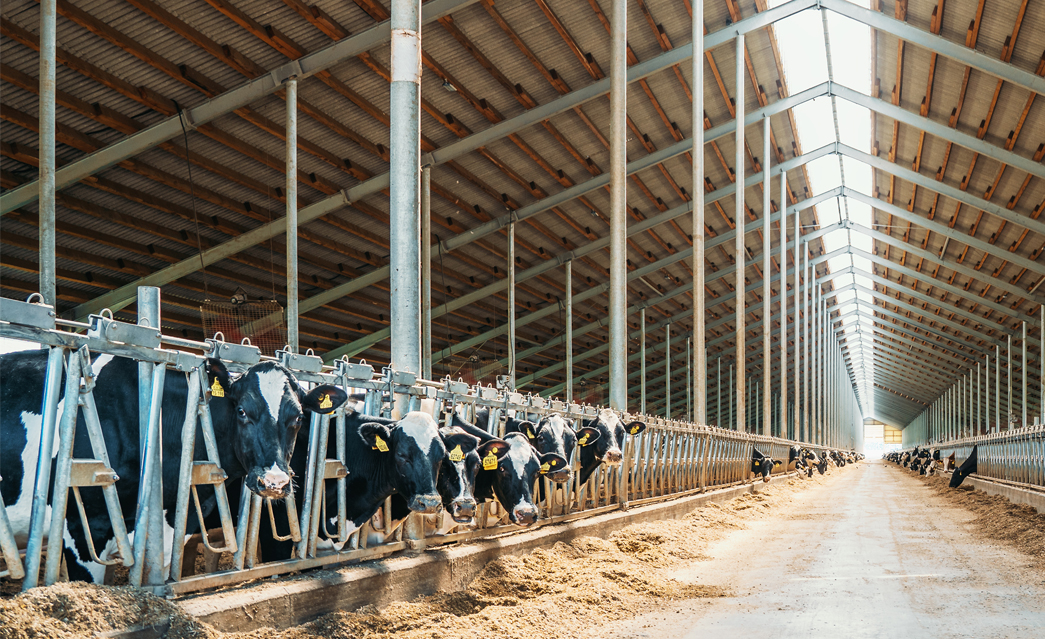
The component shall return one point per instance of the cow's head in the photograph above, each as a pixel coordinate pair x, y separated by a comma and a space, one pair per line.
967, 468
412, 453
266, 407
612, 432
762, 465
554, 435
516, 473
457, 476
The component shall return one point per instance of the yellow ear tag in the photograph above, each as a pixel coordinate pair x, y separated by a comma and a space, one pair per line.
545, 468
379, 444
490, 461
325, 403
216, 390
456, 454
529, 433
583, 441
634, 430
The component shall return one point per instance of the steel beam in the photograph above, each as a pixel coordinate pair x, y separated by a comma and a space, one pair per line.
618, 395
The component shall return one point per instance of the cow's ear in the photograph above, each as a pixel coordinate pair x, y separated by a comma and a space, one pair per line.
550, 462
324, 399
588, 436
527, 428
776, 464
635, 428
497, 447
377, 436
458, 444
218, 379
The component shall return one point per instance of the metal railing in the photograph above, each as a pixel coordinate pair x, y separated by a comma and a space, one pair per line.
669, 459
1015, 457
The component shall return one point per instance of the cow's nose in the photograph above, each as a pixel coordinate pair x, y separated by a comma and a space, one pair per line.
766, 479
463, 511
425, 504
274, 479
612, 456
525, 515
560, 476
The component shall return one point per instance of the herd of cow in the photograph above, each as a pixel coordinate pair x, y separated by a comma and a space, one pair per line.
927, 461
422, 465
257, 417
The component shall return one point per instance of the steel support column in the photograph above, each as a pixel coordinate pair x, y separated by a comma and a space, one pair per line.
426, 272
618, 355
569, 336
291, 170
783, 305
767, 291
740, 254
404, 185
697, 187
46, 171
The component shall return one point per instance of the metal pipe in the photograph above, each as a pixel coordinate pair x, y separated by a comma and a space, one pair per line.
1008, 381
404, 185
740, 254
511, 306
807, 270
63, 467
1023, 393
49, 417
997, 387
689, 380
149, 308
46, 149
697, 187
796, 413
1041, 357
667, 371
291, 86
783, 304
767, 292
426, 272
642, 360
732, 398
618, 395
569, 338
718, 394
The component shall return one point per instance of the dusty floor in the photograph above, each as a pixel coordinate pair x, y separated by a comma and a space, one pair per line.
873, 553
869, 550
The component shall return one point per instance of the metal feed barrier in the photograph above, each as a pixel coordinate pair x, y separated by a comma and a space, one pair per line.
1014, 457
669, 459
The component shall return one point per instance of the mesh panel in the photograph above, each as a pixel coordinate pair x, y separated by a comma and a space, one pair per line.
259, 320
586, 392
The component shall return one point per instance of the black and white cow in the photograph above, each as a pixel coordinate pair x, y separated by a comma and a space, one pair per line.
762, 464
606, 449
384, 457
255, 417
511, 480
555, 434
967, 468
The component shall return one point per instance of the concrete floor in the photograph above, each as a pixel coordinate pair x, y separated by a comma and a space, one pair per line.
870, 554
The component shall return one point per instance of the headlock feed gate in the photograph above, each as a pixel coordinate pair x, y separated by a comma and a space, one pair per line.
666, 459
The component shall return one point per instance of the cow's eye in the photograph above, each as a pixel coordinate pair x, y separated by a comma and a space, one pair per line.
242, 413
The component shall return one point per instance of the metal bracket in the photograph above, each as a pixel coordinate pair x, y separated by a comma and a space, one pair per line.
239, 353
361, 371
300, 362
404, 378
207, 473
91, 472
27, 313
110, 330
334, 469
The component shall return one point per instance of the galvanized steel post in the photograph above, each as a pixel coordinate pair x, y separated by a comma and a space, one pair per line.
426, 272
511, 304
291, 86
642, 361
697, 189
740, 254
807, 271
618, 312
667, 371
718, 394
46, 153
796, 413
689, 379
783, 304
997, 387
569, 337
1008, 381
404, 186
1023, 394
767, 292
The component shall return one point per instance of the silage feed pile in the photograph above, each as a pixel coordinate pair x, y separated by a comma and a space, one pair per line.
559, 591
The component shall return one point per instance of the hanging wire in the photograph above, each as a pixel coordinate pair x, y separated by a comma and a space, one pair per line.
192, 196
